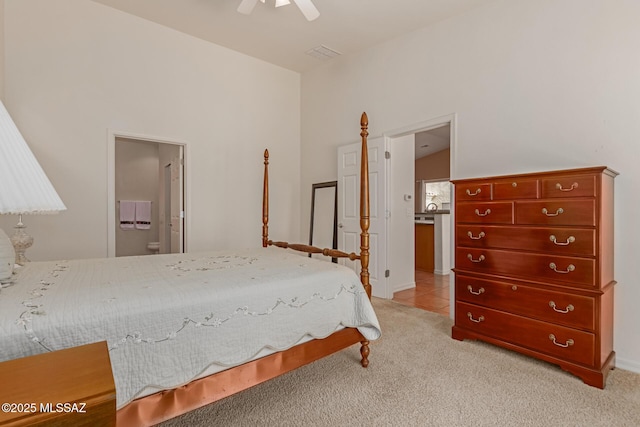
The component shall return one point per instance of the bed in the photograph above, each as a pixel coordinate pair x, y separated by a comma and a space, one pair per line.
228, 319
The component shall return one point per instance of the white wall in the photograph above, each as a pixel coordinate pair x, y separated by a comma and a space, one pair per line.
2, 49
75, 69
536, 85
401, 223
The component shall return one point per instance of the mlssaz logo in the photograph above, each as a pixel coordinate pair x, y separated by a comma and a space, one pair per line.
63, 407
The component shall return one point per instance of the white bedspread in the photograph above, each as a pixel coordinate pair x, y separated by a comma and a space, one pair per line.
168, 318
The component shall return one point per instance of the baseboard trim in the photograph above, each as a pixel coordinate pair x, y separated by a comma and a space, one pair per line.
404, 287
627, 365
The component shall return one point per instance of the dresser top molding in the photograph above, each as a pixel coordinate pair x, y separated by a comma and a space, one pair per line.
579, 171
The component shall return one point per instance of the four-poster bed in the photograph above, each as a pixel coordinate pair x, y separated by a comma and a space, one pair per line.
307, 308
161, 406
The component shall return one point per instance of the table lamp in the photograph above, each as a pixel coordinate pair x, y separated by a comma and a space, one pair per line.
24, 187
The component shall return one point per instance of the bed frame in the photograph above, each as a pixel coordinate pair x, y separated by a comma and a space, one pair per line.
164, 405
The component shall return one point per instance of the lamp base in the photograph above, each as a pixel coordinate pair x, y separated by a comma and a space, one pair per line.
21, 242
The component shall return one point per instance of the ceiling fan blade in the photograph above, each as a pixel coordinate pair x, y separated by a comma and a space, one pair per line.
308, 9
246, 7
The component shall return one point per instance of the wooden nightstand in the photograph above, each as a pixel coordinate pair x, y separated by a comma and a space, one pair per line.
71, 387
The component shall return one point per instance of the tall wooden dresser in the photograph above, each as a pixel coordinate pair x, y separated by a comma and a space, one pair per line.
534, 266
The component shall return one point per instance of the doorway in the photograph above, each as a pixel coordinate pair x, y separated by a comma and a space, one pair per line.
432, 222
433, 199
439, 135
149, 172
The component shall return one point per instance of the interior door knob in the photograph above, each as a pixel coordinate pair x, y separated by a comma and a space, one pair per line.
340, 225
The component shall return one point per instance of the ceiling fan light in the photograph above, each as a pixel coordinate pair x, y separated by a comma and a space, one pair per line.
282, 3
308, 9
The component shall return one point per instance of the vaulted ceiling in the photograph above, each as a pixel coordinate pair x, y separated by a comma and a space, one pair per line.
282, 35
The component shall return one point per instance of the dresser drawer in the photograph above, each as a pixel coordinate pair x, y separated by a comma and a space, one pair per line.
485, 212
515, 189
566, 309
530, 266
556, 212
564, 241
569, 186
554, 340
473, 192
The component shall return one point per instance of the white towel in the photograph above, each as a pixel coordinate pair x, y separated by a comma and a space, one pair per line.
143, 215
127, 214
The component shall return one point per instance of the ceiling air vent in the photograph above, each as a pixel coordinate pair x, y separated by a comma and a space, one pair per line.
322, 53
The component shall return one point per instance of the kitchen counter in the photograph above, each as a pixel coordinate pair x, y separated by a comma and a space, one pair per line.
424, 245
428, 217
437, 224
431, 213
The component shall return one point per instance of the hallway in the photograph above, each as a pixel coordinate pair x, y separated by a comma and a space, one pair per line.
431, 293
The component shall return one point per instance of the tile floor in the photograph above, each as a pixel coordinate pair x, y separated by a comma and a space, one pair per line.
431, 293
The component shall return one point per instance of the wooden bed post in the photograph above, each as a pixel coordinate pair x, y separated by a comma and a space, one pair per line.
265, 201
364, 224
364, 205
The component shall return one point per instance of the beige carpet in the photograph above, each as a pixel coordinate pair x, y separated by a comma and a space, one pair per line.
419, 376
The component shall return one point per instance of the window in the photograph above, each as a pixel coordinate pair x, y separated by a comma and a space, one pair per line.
436, 193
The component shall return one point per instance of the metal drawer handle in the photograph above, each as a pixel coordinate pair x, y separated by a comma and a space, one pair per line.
573, 187
475, 260
470, 316
568, 309
558, 212
569, 269
567, 344
469, 193
571, 239
487, 212
480, 236
478, 292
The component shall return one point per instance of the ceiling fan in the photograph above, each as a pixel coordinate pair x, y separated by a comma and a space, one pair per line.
306, 7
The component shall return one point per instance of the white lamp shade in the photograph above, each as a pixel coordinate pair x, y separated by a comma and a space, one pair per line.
24, 187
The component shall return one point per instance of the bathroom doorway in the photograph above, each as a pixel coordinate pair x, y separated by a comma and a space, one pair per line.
147, 212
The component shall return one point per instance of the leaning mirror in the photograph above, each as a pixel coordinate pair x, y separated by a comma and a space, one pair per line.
323, 231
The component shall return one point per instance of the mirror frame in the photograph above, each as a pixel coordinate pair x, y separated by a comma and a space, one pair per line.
314, 187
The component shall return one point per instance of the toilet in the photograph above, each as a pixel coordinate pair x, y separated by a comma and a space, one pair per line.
154, 247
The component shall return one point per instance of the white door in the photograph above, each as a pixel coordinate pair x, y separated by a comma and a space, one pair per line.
177, 205
349, 210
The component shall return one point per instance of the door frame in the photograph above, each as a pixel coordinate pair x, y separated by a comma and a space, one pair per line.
112, 135
414, 128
